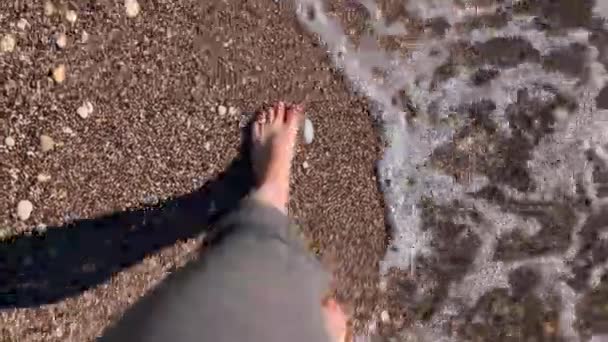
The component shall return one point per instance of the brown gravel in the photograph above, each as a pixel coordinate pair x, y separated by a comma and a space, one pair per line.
153, 80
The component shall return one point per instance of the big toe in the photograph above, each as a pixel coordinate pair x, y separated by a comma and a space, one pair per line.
294, 117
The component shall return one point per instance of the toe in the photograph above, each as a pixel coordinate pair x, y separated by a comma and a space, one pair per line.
256, 130
262, 117
294, 116
280, 112
270, 115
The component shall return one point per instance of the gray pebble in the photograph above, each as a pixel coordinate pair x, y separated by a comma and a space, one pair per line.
41, 228
70, 217
150, 200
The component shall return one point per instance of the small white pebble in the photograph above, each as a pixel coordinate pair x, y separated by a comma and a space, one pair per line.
372, 327
43, 177
46, 143
4, 233
68, 130
49, 8
222, 110
9, 141
85, 110
132, 8
14, 173
71, 16
61, 40
305, 165
22, 24
41, 228
7, 43
59, 332
384, 316
560, 114
382, 285
207, 146
24, 210
84, 37
233, 110
308, 131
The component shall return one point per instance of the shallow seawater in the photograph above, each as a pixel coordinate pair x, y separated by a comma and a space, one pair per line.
496, 174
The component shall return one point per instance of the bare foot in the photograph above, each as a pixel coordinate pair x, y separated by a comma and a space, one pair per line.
336, 321
274, 135
274, 138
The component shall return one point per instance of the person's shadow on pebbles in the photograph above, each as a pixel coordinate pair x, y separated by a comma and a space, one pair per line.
68, 260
